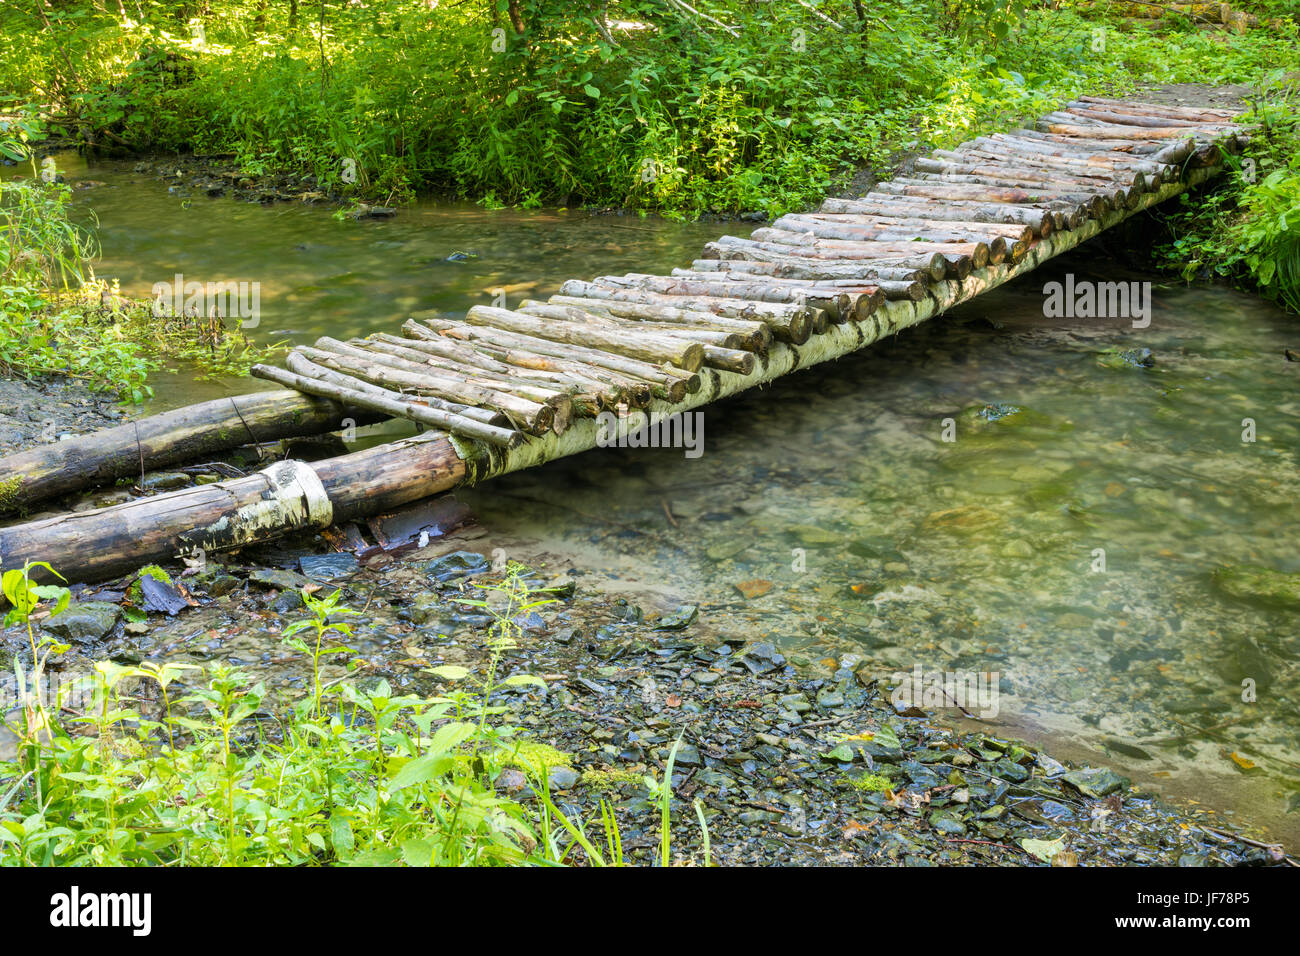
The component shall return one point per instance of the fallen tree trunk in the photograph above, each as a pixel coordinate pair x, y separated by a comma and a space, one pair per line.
286, 497
186, 434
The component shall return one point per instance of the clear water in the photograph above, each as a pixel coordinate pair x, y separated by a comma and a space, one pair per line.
831, 496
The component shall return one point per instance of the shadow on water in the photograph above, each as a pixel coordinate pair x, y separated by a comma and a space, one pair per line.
1065, 541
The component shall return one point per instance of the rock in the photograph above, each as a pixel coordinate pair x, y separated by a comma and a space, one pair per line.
811, 536
762, 658
967, 519
1254, 584
277, 579
164, 481
1096, 783
84, 622
329, 567
688, 756
458, 564
680, 618
752, 589
562, 778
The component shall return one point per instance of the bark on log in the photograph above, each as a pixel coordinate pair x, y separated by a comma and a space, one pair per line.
979, 252
917, 222
840, 304
146, 444
1064, 215
759, 335
788, 323
644, 348
667, 382
301, 365
588, 378
1040, 221
732, 248
1093, 206
395, 407
286, 497
385, 371
821, 227
792, 270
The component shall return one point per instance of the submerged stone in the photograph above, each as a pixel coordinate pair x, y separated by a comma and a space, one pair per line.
1251, 583
458, 564
84, 622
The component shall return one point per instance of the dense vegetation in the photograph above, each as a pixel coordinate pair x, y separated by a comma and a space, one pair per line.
651, 104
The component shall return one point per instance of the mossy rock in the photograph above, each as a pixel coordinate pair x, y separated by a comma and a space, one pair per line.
135, 593
1251, 583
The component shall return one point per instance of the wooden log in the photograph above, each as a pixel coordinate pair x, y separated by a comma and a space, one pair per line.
645, 348
301, 365
157, 441
1162, 109
531, 416
1094, 200
1090, 207
840, 305
728, 267
1065, 215
590, 381
1103, 199
1040, 221
1045, 172
395, 407
758, 333
1153, 172
732, 248
745, 335
980, 252
825, 228
1165, 152
875, 291
1006, 230
1109, 132
288, 496
789, 323
1180, 128
565, 396
666, 382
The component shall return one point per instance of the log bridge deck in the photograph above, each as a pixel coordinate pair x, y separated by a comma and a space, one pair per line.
502, 390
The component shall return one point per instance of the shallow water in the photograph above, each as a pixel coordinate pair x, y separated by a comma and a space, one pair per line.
832, 496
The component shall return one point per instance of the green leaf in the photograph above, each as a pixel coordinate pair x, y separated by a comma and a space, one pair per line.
519, 680
448, 671
421, 770
591, 91
1043, 849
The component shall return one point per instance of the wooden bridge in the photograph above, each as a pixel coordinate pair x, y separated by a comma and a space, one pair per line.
505, 389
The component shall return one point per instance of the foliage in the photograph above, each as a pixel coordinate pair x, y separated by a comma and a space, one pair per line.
1248, 229
56, 317
722, 105
351, 775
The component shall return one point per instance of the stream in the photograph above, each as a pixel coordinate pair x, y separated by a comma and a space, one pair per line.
1063, 546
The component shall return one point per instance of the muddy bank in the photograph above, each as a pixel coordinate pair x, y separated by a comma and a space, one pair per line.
42, 410
794, 761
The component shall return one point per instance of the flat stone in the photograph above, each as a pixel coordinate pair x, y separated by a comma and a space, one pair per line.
1096, 783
